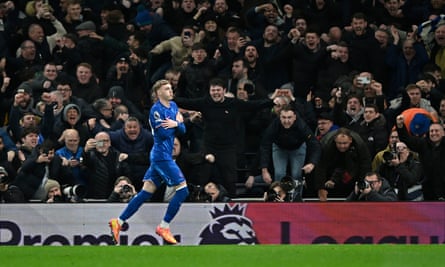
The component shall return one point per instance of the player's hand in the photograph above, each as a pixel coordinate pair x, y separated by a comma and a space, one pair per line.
169, 123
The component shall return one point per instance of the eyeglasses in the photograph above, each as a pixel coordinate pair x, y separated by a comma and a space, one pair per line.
401, 148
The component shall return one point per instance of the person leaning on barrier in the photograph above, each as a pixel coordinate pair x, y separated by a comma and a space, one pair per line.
345, 159
275, 193
372, 188
56, 193
41, 165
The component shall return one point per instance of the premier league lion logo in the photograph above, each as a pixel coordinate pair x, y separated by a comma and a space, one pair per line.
229, 226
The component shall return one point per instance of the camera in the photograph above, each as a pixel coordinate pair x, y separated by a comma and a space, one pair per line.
78, 191
364, 80
293, 189
59, 199
390, 155
288, 183
198, 194
271, 195
363, 184
126, 189
100, 143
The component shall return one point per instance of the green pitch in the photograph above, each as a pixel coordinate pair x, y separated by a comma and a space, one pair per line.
226, 255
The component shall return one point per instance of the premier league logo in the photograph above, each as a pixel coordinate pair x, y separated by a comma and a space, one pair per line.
229, 226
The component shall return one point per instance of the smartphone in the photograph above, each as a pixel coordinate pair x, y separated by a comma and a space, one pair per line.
363, 80
100, 143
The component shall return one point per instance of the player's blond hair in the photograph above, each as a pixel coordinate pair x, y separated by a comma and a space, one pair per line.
158, 84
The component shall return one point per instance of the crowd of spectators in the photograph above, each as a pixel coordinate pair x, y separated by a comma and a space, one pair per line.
358, 95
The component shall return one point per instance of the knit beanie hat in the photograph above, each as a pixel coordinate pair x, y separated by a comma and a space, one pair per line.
143, 17
68, 107
50, 184
116, 92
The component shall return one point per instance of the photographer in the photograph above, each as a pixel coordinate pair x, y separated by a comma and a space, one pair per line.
286, 190
40, 166
372, 188
123, 190
63, 194
403, 172
345, 159
275, 193
216, 192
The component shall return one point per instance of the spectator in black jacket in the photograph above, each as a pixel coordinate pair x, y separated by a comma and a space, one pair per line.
431, 151
373, 129
86, 85
350, 116
221, 117
344, 160
92, 50
364, 49
290, 143
194, 79
372, 188
105, 164
42, 165
403, 172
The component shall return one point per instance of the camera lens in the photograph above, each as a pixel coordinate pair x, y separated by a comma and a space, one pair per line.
126, 188
363, 184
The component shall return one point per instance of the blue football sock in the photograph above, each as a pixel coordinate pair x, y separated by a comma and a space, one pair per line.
134, 204
175, 204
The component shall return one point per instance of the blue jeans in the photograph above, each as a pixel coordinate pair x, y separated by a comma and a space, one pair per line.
282, 157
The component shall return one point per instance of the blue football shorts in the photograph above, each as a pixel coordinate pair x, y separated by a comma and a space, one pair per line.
167, 171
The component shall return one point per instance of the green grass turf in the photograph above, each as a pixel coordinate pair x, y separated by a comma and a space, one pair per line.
225, 255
